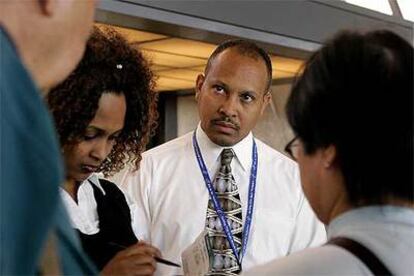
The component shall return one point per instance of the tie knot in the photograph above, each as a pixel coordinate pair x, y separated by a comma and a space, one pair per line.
226, 156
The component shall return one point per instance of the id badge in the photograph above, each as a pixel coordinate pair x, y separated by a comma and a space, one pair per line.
198, 257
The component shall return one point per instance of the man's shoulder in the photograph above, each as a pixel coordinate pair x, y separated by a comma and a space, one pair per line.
308, 262
172, 147
164, 157
272, 156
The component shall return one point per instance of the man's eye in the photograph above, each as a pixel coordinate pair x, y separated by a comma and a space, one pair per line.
247, 98
218, 89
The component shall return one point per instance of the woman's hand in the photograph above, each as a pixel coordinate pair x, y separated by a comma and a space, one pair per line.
137, 259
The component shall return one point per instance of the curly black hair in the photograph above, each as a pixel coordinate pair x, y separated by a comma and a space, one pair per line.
110, 64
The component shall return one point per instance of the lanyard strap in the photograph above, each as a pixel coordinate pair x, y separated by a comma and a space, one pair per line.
216, 204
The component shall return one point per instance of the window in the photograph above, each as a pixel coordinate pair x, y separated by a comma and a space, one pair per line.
382, 6
407, 9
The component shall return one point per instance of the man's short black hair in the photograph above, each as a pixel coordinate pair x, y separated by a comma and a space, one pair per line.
245, 48
356, 93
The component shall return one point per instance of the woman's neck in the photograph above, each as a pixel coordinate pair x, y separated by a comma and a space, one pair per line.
71, 187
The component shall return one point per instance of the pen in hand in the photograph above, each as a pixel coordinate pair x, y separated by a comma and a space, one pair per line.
157, 259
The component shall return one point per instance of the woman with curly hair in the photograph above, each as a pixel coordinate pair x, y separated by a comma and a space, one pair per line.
104, 114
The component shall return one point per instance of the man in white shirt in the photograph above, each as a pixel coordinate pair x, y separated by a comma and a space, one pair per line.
173, 194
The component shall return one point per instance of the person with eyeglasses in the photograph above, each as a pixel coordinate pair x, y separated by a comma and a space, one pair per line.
352, 113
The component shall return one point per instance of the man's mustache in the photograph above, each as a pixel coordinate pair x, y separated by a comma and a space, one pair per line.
228, 121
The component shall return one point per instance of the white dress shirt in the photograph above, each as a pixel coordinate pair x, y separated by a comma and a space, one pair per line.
83, 214
172, 199
387, 231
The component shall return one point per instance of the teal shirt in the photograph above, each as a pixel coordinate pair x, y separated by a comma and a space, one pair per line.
30, 171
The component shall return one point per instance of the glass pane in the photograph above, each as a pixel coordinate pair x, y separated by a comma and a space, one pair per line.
382, 6
407, 9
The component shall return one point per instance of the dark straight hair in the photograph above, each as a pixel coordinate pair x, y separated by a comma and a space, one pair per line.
356, 93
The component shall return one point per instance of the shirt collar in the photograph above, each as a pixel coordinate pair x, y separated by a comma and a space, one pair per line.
94, 179
211, 151
370, 216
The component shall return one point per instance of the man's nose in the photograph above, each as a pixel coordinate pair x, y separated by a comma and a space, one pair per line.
229, 107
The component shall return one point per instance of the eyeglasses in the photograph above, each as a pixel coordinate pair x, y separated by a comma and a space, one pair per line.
289, 148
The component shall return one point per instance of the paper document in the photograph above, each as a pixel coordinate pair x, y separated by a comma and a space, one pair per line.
197, 258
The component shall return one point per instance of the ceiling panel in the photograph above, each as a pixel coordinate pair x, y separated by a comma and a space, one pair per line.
178, 46
133, 35
278, 74
377, 5
171, 60
177, 62
198, 68
157, 68
286, 64
407, 9
166, 83
184, 74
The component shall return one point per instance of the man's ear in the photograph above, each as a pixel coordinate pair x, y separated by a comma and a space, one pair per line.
267, 97
47, 7
329, 156
199, 85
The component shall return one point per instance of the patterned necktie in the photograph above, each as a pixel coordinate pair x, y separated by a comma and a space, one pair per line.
225, 263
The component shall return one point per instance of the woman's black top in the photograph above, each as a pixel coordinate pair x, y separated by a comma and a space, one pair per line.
115, 230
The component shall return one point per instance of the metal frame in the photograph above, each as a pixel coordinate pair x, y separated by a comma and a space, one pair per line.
135, 14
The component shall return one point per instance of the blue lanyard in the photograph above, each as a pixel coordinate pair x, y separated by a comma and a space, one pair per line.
216, 204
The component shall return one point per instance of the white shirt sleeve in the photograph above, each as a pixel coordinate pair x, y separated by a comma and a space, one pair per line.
136, 186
